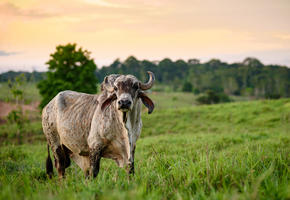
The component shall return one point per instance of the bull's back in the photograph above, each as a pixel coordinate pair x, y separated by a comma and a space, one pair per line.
71, 113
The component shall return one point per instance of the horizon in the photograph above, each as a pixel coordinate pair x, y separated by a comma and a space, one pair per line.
33, 68
110, 29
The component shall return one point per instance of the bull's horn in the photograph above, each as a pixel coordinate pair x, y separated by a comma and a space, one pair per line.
149, 84
107, 85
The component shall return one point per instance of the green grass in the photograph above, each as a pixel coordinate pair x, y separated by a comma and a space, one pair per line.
31, 132
250, 117
163, 100
172, 100
227, 151
195, 166
30, 91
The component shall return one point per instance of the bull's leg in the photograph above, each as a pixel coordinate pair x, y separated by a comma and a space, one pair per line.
67, 154
58, 154
60, 161
49, 166
95, 159
131, 169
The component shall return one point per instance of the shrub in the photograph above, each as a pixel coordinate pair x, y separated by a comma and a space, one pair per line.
187, 87
272, 96
212, 97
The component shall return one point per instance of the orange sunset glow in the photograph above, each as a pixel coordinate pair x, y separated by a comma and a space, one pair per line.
229, 30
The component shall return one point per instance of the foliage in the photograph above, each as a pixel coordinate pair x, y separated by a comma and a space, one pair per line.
16, 116
69, 69
273, 96
249, 77
225, 151
15, 89
212, 97
29, 76
30, 92
196, 91
187, 87
31, 132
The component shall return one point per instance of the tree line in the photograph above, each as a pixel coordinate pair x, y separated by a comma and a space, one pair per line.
248, 78
34, 76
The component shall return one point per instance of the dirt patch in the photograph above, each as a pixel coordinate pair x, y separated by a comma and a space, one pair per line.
6, 108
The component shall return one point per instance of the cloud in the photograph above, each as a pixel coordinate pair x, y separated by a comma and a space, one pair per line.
10, 9
283, 36
105, 3
5, 53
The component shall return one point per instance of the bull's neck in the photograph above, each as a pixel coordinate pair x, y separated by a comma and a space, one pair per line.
128, 119
125, 119
130, 122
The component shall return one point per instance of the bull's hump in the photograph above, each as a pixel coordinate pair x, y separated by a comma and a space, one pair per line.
69, 99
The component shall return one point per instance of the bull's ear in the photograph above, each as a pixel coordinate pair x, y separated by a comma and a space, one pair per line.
108, 101
146, 101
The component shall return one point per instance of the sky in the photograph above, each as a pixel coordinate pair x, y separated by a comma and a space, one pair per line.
230, 30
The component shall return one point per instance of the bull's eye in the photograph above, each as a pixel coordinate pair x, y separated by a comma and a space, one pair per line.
115, 88
136, 86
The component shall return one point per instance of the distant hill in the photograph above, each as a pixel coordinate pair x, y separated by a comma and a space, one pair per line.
248, 78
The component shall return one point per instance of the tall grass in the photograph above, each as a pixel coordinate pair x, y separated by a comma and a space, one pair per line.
30, 91
226, 151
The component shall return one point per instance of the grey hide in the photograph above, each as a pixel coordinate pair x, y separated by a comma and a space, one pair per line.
77, 128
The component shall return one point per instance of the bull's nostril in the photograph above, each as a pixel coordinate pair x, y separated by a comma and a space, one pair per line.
125, 103
128, 103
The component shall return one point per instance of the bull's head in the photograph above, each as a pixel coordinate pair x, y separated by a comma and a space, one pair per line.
126, 90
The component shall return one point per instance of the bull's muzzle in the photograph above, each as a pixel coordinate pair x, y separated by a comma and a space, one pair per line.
124, 105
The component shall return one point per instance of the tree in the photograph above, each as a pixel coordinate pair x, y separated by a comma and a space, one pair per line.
169, 70
16, 116
193, 61
252, 62
249, 77
69, 69
132, 66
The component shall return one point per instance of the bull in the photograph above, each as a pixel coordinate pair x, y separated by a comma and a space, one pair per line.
85, 127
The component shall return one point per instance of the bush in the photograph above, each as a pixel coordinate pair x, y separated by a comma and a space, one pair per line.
187, 87
224, 98
212, 97
272, 96
196, 91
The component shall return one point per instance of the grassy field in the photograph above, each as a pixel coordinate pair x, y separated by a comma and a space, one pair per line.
227, 151
164, 100
29, 89
33, 130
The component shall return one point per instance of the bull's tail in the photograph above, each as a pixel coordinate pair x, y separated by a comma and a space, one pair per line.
49, 165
